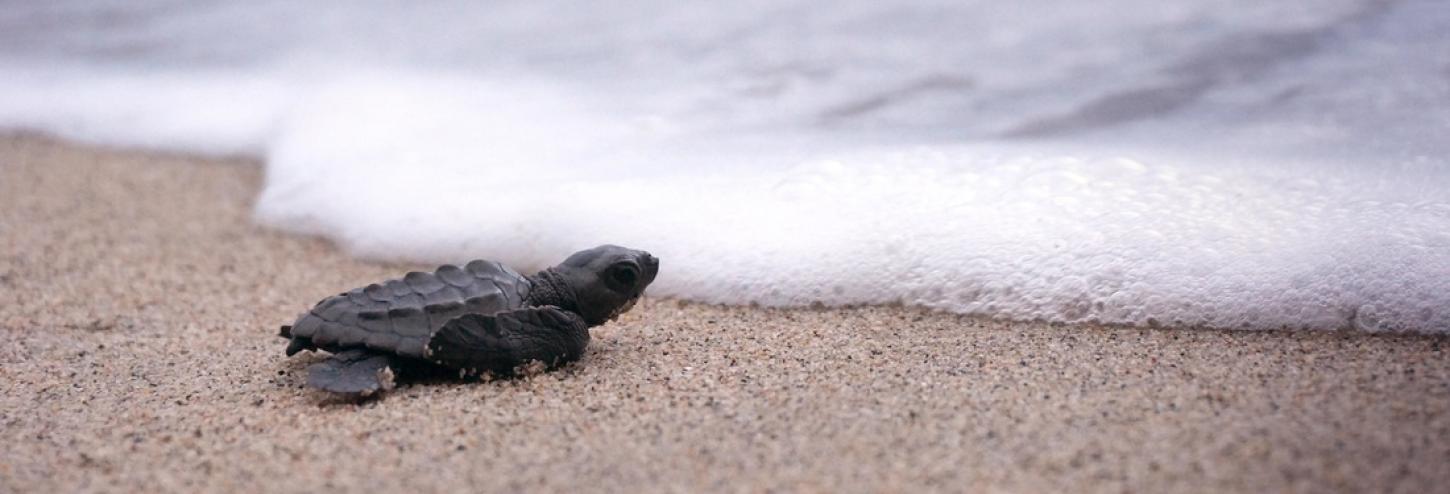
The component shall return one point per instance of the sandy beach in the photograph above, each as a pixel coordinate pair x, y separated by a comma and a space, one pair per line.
141, 305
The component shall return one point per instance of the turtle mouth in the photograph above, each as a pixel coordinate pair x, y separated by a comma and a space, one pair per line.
623, 308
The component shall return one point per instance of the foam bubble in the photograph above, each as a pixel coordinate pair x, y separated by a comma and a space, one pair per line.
966, 230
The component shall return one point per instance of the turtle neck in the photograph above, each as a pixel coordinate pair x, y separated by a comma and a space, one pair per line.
550, 288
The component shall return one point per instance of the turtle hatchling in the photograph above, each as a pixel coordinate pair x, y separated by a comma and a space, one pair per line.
482, 319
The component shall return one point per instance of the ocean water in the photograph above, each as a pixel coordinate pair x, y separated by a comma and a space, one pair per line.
1217, 163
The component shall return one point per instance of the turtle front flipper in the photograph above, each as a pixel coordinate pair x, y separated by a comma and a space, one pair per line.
353, 372
510, 342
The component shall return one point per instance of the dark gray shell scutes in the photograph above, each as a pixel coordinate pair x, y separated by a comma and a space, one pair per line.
399, 316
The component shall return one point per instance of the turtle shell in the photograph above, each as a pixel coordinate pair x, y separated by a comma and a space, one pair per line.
399, 316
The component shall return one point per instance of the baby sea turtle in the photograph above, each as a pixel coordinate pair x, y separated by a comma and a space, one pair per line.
480, 319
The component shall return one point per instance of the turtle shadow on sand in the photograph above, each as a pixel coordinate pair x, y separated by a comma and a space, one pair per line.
294, 374
483, 321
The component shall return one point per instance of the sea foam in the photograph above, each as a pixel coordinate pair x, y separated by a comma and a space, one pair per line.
1255, 166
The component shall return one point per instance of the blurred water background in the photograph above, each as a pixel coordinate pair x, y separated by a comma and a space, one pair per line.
1222, 163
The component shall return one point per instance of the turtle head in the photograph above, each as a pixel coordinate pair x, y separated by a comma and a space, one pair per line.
607, 280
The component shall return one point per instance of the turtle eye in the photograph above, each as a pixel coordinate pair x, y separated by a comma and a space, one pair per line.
624, 275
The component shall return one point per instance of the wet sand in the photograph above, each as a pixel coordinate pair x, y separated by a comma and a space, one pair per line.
139, 307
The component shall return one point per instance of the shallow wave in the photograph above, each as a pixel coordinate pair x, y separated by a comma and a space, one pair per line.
1226, 164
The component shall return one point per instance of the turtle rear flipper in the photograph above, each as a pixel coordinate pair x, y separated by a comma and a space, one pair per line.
296, 343
353, 372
